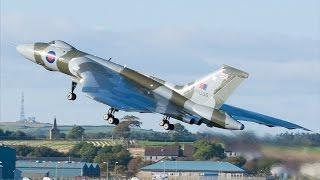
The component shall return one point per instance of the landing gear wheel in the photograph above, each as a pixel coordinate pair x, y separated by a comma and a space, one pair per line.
106, 117
162, 122
111, 120
171, 127
116, 121
110, 117
166, 126
72, 96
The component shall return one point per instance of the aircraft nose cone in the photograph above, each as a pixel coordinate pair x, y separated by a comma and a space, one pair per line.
26, 50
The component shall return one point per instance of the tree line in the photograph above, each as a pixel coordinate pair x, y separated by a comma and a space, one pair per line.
180, 134
13, 135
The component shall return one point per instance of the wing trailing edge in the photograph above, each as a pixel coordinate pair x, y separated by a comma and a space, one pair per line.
245, 115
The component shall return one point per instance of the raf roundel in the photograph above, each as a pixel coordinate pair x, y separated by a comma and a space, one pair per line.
51, 56
203, 86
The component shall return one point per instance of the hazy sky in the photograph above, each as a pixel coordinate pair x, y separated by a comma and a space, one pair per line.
277, 42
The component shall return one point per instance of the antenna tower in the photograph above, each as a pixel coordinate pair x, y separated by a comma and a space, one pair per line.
22, 115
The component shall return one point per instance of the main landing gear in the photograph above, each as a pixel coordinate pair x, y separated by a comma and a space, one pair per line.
166, 124
72, 96
110, 117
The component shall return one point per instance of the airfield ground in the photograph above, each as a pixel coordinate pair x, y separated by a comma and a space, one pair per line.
302, 154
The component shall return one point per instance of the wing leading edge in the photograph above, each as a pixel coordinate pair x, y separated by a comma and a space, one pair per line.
245, 115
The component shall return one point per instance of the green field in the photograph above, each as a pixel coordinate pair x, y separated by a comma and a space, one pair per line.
157, 143
64, 145
42, 129
60, 145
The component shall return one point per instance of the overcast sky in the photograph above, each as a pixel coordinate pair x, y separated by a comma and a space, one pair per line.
277, 42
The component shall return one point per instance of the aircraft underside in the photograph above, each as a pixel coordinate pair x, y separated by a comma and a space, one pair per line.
123, 95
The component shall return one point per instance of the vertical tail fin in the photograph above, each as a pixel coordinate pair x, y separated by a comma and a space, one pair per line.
215, 88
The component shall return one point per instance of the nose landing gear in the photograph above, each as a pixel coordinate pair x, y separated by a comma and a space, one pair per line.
109, 117
72, 96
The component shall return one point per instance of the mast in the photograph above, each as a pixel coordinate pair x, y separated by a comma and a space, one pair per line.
22, 115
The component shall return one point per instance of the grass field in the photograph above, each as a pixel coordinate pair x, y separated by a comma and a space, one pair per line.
158, 143
42, 129
65, 145
62, 146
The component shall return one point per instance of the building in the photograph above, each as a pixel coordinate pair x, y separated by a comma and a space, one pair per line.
155, 154
188, 150
35, 174
61, 170
230, 153
173, 152
191, 170
1, 171
54, 131
8, 162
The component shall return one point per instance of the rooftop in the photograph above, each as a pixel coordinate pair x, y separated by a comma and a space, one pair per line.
193, 166
172, 150
6, 148
61, 159
51, 164
35, 171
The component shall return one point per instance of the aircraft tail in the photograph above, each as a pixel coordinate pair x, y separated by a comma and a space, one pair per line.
215, 88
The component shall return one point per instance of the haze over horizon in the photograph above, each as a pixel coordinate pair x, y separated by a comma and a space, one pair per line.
176, 41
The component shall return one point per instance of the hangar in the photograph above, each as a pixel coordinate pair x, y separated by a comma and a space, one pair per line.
192, 170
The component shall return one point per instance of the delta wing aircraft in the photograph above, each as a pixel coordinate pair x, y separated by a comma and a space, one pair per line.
122, 88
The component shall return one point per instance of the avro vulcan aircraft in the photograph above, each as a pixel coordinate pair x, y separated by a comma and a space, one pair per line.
124, 89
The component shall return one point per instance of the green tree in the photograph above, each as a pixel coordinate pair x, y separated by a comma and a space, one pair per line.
179, 133
75, 150
45, 152
62, 136
134, 166
76, 132
20, 135
42, 151
86, 151
22, 150
124, 127
206, 150
112, 155
1, 134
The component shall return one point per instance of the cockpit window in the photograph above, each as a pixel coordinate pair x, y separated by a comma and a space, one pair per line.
60, 44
